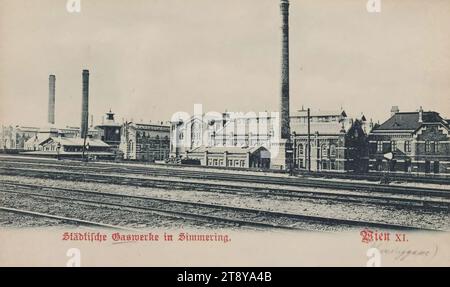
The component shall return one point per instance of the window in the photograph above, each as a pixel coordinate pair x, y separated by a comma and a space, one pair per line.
393, 145
432, 147
407, 146
379, 146
436, 146
324, 151
300, 163
300, 149
332, 165
333, 150
195, 134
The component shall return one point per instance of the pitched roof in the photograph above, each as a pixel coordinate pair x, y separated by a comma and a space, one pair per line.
322, 128
304, 113
409, 121
231, 150
77, 142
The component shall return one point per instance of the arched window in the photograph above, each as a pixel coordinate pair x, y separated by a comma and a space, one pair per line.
130, 146
300, 149
195, 134
333, 150
324, 151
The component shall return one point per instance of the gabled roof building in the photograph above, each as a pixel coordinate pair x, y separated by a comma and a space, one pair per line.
411, 142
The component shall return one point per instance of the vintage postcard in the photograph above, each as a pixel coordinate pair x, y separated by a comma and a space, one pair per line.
223, 133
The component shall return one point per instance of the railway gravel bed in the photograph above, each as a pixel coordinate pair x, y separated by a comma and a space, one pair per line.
10, 219
249, 177
441, 200
131, 218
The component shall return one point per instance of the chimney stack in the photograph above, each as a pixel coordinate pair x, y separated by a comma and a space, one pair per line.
420, 115
51, 99
283, 159
85, 105
394, 110
284, 100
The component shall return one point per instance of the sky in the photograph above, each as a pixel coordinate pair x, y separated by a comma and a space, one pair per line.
149, 59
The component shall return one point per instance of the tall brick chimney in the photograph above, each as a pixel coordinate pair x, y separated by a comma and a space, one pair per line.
51, 99
283, 156
284, 99
85, 105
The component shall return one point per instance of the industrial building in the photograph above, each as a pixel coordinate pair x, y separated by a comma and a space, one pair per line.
145, 142
110, 133
337, 142
411, 142
69, 141
13, 138
331, 141
34, 143
73, 148
237, 157
228, 130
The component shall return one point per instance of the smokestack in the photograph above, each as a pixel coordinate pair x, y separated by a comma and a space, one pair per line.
284, 101
85, 104
51, 99
394, 110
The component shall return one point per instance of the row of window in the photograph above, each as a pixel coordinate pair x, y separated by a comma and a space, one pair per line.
430, 146
325, 165
196, 135
231, 162
325, 150
148, 135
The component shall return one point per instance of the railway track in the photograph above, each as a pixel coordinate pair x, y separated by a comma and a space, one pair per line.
424, 201
373, 176
232, 177
76, 221
236, 216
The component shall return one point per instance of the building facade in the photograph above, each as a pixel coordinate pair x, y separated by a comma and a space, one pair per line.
236, 133
33, 143
13, 138
336, 142
145, 142
411, 142
74, 148
236, 157
110, 133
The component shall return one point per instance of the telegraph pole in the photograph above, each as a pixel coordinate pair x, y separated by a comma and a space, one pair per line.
309, 139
